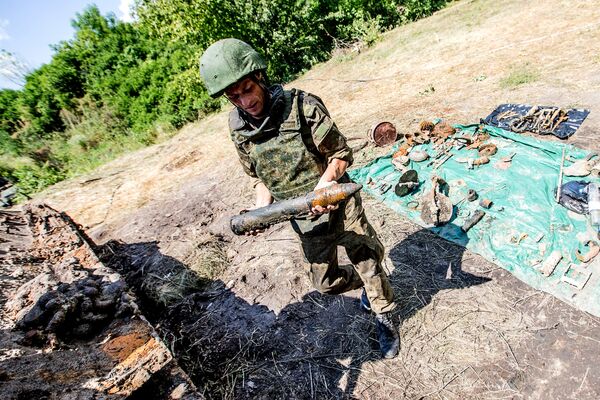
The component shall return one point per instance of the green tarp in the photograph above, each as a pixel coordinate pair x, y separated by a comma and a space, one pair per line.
523, 226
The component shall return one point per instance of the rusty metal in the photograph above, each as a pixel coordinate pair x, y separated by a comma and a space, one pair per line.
436, 207
594, 249
473, 220
426, 126
262, 218
542, 120
472, 195
402, 150
383, 133
478, 161
479, 138
442, 131
488, 149
485, 203
407, 183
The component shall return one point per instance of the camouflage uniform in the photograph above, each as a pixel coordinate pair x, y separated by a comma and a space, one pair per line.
289, 151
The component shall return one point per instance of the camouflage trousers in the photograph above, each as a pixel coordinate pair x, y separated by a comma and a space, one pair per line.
347, 227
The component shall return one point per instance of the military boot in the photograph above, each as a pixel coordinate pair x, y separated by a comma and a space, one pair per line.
387, 334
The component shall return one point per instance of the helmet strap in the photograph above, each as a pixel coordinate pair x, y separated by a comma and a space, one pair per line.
261, 79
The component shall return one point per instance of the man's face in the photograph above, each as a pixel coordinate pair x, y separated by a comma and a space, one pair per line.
249, 96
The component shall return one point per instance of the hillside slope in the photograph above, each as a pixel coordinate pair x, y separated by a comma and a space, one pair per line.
464, 337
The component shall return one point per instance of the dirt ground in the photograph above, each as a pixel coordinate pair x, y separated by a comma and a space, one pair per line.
69, 329
252, 327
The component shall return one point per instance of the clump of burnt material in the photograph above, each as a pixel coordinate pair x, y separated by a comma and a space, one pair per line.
77, 310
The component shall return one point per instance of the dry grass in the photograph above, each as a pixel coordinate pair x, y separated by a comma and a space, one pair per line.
209, 258
132, 181
520, 75
201, 266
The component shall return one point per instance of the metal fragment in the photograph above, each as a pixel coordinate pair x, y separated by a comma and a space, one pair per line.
550, 263
473, 220
594, 249
383, 133
576, 276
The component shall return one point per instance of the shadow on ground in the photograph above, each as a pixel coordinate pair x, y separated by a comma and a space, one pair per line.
314, 348
424, 264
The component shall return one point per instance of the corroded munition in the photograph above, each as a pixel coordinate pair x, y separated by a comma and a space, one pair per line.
285, 210
436, 207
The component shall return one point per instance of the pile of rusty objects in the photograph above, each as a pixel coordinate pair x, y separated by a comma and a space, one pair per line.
77, 309
435, 205
541, 120
444, 139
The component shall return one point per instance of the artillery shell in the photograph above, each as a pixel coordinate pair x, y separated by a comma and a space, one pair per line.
471, 222
285, 210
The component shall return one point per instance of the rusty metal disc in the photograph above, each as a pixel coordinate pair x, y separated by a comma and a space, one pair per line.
383, 133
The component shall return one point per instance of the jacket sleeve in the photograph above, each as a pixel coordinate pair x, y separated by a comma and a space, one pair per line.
236, 123
327, 138
246, 162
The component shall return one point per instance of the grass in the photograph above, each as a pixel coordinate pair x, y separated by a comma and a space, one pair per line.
84, 146
173, 281
209, 260
520, 75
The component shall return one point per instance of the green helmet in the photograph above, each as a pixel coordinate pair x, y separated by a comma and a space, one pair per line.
227, 61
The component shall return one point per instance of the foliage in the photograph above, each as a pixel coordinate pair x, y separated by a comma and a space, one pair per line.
117, 86
9, 112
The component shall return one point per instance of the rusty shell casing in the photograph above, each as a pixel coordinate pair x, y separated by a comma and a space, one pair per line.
284, 210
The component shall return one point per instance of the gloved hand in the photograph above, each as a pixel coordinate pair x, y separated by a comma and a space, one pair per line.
318, 210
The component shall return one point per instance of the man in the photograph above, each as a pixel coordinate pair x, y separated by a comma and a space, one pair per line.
287, 141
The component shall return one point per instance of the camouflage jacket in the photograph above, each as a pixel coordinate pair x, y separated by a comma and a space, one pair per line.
289, 150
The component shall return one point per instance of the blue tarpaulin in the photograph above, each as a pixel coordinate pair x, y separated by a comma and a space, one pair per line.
523, 226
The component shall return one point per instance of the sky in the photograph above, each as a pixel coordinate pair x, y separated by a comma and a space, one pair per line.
29, 27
